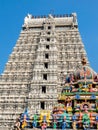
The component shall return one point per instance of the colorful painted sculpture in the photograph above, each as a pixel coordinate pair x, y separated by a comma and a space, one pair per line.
60, 116
54, 124
35, 120
34, 124
17, 124
64, 123
44, 117
77, 106
25, 119
79, 97
44, 125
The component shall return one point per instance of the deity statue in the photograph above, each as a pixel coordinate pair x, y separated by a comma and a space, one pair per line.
34, 124
54, 125
86, 117
24, 122
25, 119
64, 123
74, 125
17, 124
44, 125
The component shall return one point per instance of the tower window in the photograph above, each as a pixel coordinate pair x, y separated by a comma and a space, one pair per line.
47, 46
49, 27
46, 65
48, 33
48, 39
42, 105
45, 76
42, 27
43, 89
47, 56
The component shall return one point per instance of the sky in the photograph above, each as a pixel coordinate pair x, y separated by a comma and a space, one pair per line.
13, 12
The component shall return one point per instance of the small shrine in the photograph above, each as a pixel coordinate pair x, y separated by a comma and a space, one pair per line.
78, 102
77, 106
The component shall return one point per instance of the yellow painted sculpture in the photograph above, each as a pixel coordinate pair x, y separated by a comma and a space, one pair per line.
44, 116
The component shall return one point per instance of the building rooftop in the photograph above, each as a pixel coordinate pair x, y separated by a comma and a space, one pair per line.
65, 19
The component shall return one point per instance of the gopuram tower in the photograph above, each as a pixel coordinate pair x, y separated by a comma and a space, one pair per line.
48, 48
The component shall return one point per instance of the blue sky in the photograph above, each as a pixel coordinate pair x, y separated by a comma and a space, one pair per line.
12, 13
